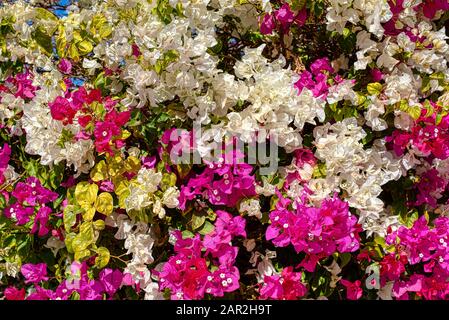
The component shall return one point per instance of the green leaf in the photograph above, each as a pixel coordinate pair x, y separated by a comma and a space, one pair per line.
345, 258
43, 39
86, 194
104, 203
69, 217
187, 234
84, 239
84, 47
438, 118
374, 88
103, 257
168, 180
414, 111
206, 228
99, 225
43, 14
197, 221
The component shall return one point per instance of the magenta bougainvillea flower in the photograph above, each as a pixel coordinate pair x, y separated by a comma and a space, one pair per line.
34, 273
33, 193
353, 289
319, 232
65, 66
188, 273
286, 286
283, 18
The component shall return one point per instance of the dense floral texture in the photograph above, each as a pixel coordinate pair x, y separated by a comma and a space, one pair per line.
224, 149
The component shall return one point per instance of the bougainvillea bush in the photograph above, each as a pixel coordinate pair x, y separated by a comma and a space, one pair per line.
224, 149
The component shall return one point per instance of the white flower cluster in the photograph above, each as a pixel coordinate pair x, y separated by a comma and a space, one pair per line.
139, 240
369, 12
358, 171
141, 193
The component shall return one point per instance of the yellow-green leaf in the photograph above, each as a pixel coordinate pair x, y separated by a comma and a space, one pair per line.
414, 111
85, 194
43, 14
43, 39
115, 165
88, 214
168, 180
104, 203
374, 88
99, 172
82, 254
69, 240
73, 52
132, 164
103, 257
99, 225
84, 238
122, 192
85, 47
197, 221
69, 217
105, 31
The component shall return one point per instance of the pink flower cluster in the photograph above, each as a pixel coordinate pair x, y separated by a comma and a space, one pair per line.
282, 19
429, 8
109, 281
223, 182
317, 78
29, 195
425, 137
106, 125
65, 108
318, 232
286, 286
21, 85
301, 157
420, 246
430, 188
206, 266
5, 153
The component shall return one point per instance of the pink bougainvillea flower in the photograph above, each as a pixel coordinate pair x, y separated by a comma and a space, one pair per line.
20, 213
319, 232
111, 280
301, 17
377, 75
136, 51
353, 289
287, 286
62, 110
320, 65
284, 15
267, 26
33, 193
12, 293
5, 153
22, 85
431, 7
34, 273
65, 66
41, 220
